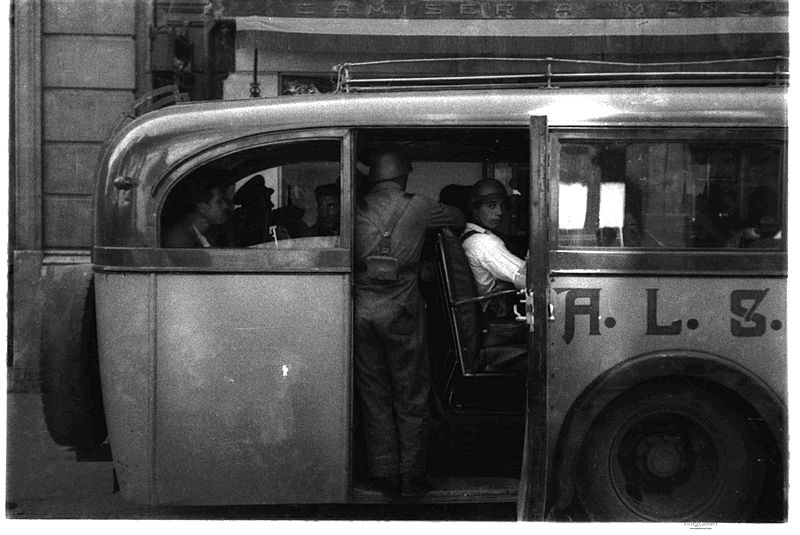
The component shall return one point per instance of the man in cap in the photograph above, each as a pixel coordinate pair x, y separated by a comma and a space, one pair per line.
493, 266
252, 217
392, 371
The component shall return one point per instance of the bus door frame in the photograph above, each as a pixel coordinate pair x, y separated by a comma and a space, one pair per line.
534, 471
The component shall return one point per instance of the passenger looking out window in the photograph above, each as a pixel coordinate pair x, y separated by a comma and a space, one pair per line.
328, 208
203, 225
763, 230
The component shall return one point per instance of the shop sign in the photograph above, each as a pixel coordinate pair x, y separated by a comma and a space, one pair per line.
509, 9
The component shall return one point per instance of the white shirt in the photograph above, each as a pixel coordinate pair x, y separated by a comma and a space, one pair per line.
490, 260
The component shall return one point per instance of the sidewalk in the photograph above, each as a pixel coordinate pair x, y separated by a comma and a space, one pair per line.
43, 480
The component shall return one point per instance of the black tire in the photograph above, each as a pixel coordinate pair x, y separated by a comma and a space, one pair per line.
71, 395
671, 451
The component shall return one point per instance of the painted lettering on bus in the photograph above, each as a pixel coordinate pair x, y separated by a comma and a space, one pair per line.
572, 309
745, 322
652, 317
754, 324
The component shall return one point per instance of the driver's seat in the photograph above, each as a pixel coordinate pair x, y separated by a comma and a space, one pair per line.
482, 346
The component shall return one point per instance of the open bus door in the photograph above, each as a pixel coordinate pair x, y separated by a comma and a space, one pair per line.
533, 480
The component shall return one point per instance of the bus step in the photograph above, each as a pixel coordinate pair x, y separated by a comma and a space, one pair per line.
450, 490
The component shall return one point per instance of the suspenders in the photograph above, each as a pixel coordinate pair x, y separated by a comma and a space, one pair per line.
383, 266
386, 234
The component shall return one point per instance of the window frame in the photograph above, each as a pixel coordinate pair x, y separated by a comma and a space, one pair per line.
650, 261
243, 260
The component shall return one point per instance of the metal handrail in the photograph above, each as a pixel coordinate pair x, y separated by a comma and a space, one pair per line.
158, 98
348, 81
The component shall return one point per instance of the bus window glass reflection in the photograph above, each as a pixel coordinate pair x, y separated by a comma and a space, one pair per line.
670, 194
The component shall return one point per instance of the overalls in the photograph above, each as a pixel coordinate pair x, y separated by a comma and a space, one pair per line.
392, 370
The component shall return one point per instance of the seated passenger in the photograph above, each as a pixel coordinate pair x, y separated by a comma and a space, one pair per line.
287, 222
768, 234
493, 266
252, 215
209, 207
327, 223
717, 218
456, 195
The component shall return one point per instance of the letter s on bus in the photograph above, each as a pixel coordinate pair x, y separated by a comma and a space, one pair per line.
749, 315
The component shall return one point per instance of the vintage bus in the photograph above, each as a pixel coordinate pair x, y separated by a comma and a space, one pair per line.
654, 376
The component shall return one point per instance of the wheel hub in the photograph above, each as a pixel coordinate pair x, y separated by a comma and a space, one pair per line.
666, 467
662, 458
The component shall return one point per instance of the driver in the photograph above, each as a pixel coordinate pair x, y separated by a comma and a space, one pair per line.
493, 266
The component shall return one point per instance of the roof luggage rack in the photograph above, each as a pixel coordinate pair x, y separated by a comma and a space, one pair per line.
540, 73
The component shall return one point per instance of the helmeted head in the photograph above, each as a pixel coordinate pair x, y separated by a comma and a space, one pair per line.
388, 162
486, 203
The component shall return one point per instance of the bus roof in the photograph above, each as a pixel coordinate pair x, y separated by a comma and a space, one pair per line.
187, 128
667, 106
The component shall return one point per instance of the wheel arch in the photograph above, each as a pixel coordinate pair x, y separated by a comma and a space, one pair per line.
645, 368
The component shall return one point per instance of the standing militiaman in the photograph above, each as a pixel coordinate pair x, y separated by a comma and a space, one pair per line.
392, 370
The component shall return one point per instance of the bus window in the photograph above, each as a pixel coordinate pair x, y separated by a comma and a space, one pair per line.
671, 194
282, 196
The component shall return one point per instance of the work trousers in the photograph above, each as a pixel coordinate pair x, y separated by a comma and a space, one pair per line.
393, 377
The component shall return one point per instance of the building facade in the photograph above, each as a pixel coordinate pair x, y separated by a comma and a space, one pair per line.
290, 43
79, 66
74, 70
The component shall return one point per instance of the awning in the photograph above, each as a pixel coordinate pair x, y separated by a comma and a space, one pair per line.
513, 28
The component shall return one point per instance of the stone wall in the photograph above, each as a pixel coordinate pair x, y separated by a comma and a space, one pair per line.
75, 65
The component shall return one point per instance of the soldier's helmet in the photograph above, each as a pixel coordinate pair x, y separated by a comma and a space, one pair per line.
388, 162
486, 190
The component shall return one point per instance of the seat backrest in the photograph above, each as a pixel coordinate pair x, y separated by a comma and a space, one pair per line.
458, 282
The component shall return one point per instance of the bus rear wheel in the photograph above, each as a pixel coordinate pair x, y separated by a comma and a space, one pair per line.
671, 452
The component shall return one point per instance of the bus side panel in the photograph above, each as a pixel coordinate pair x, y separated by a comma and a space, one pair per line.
604, 321
253, 388
124, 337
